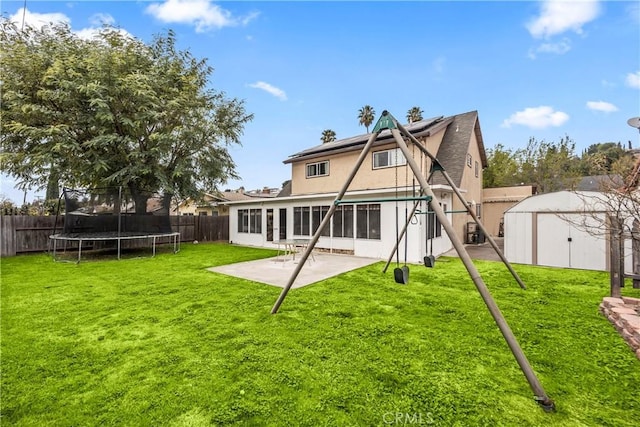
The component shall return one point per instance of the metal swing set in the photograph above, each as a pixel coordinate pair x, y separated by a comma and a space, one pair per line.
426, 194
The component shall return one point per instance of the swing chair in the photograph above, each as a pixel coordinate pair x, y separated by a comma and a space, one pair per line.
430, 259
400, 274
387, 121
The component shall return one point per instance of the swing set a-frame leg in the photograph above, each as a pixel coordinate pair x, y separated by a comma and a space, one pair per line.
388, 122
457, 192
540, 395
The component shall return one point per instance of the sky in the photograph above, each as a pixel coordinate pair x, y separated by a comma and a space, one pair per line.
541, 69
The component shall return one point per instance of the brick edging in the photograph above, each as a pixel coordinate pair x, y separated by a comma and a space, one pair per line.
624, 314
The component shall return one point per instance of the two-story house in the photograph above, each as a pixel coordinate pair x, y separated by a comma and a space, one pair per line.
369, 229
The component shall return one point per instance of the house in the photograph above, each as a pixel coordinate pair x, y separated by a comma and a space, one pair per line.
369, 229
210, 204
496, 201
565, 229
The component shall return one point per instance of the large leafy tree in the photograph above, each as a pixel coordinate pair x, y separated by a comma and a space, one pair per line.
113, 111
552, 166
365, 116
503, 169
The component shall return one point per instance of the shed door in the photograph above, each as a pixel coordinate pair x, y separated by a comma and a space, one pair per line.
562, 244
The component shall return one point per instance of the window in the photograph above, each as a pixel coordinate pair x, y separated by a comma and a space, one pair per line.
478, 209
434, 226
388, 158
368, 222
469, 159
317, 169
243, 220
317, 215
255, 221
477, 169
250, 221
343, 221
202, 213
301, 221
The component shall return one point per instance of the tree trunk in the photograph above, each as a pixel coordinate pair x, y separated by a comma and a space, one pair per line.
616, 243
139, 199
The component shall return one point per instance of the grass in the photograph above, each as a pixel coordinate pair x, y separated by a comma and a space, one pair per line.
162, 341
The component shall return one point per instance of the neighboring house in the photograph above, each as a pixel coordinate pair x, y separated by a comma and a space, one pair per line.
210, 204
369, 230
496, 201
563, 229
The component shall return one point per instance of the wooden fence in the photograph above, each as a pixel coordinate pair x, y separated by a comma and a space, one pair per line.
23, 234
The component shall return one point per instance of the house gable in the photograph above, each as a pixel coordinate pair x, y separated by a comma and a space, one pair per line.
451, 137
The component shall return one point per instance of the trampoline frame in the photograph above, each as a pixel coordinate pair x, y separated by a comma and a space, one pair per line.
94, 237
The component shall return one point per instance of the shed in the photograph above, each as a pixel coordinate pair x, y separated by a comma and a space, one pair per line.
563, 229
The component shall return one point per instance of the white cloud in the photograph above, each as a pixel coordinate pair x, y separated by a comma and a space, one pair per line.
537, 118
558, 16
559, 48
438, 64
100, 19
277, 92
202, 14
605, 107
97, 21
607, 83
633, 80
37, 20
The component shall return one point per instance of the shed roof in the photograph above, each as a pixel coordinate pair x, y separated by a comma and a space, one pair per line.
562, 201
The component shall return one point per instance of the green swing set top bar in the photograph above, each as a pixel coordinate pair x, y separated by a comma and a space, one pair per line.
389, 199
419, 212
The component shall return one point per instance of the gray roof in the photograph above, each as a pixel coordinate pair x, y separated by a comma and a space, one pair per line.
455, 145
452, 153
599, 182
286, 189
356, 142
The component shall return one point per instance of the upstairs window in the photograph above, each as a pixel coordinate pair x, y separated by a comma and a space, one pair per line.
469, 159
388, 158
317, 169
477, 169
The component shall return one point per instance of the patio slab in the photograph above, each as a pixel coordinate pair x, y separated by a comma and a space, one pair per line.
276, 271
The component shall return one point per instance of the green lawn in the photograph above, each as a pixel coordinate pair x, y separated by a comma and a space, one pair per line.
162, 341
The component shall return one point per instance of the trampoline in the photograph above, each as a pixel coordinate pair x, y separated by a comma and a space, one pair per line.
107, 218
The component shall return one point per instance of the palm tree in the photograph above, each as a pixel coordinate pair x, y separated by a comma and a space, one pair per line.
414, 115
328, 136
366, 115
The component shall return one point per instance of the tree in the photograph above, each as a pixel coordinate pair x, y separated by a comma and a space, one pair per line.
414, 114
113, 111
503, 169
550, 166
598, 159
365, 116
328, 136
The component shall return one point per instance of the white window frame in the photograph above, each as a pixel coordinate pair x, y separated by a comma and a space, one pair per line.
394, 158
316, 167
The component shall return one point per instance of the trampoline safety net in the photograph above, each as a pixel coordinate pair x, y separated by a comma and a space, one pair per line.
112, 212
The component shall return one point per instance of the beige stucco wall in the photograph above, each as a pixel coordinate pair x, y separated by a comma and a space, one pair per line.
367, 178
473, 189
496, 201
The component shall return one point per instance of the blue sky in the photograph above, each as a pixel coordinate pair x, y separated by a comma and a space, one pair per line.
542, 69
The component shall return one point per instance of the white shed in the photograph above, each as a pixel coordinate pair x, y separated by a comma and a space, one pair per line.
563, 229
